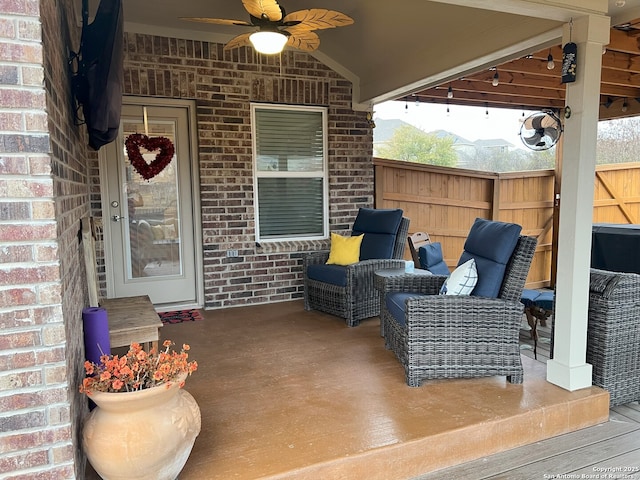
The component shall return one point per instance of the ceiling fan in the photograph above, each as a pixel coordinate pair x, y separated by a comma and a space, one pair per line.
274, 24
541, 130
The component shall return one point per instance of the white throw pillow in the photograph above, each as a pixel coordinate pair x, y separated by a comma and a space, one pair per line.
462, 280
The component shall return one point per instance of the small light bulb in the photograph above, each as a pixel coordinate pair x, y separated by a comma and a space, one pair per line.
625, 106
550, 63
450, 92
496, 79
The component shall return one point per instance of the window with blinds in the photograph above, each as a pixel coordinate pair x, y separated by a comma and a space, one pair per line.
290, 165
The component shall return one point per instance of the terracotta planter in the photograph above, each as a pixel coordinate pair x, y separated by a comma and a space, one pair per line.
146, 435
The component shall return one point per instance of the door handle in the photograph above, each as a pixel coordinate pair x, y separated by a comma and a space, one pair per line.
117, 218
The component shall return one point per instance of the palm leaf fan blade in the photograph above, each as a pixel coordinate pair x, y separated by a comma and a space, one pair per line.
216, 21
304, 40
319, 19
263, 8
239, 41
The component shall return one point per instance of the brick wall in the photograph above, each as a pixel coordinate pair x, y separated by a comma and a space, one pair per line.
223, 85
49, 181
43, 185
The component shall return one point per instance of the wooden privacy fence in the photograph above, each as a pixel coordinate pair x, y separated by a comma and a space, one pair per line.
444, 202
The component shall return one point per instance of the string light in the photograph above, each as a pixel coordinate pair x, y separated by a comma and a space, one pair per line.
450, 92
550, 63
625, 106
496, 79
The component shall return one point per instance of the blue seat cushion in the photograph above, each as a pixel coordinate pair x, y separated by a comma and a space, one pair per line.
431, 259
491, 244
380, 228
545, 300
334, 274
528, 297
535, 298
396, 305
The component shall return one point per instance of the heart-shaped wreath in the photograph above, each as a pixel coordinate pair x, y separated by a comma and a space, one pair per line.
163, 158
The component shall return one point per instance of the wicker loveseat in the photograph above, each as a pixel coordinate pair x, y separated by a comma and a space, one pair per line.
613, 334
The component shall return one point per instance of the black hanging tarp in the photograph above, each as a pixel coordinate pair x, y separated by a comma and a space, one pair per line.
98, 84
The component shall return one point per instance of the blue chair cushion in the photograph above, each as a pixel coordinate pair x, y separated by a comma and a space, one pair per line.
431, 259
396, 305
380, 227
491, 244
334, 274
531, 298
545, 300
528, 297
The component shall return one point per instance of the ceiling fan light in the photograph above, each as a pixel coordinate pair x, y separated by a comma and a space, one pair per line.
268, 42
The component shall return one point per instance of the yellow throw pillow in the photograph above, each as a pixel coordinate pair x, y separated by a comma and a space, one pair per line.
344, 250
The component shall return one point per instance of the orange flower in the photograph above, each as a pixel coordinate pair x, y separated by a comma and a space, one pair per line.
138, 369
88, 366
117, 384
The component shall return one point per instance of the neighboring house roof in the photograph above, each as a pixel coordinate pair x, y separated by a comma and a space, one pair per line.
493, 142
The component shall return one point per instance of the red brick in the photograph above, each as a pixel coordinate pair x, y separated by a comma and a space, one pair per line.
22, 379
32, 76
23, 461
25, 441
13, 340
17, 233
12, 361
29, 31
22, 421
16, 254
26, 188
41, 398
19, 7
20, 52
13, 165
17, 297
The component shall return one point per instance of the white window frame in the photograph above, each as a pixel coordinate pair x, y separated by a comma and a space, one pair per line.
324, 174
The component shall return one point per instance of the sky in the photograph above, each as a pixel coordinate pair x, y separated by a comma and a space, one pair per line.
471, 123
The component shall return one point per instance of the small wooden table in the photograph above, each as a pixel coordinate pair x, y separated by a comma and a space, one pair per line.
132, 319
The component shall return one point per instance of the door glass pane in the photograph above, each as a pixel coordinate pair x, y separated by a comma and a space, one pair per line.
153, 220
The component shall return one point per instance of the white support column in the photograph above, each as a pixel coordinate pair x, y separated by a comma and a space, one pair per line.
569, 369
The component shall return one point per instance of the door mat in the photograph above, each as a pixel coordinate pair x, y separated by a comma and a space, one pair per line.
180, 316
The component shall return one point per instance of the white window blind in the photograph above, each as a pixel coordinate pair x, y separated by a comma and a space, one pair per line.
290, 172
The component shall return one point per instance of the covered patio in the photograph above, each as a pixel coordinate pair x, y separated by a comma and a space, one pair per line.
51, 180
292, 394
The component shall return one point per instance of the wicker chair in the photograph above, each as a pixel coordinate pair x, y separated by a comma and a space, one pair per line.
613, 334
353, 295
449, 336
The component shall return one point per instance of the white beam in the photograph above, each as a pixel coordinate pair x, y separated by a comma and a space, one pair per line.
560, 10
569, 369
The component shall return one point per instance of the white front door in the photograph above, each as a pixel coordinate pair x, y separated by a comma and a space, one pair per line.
152, 242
